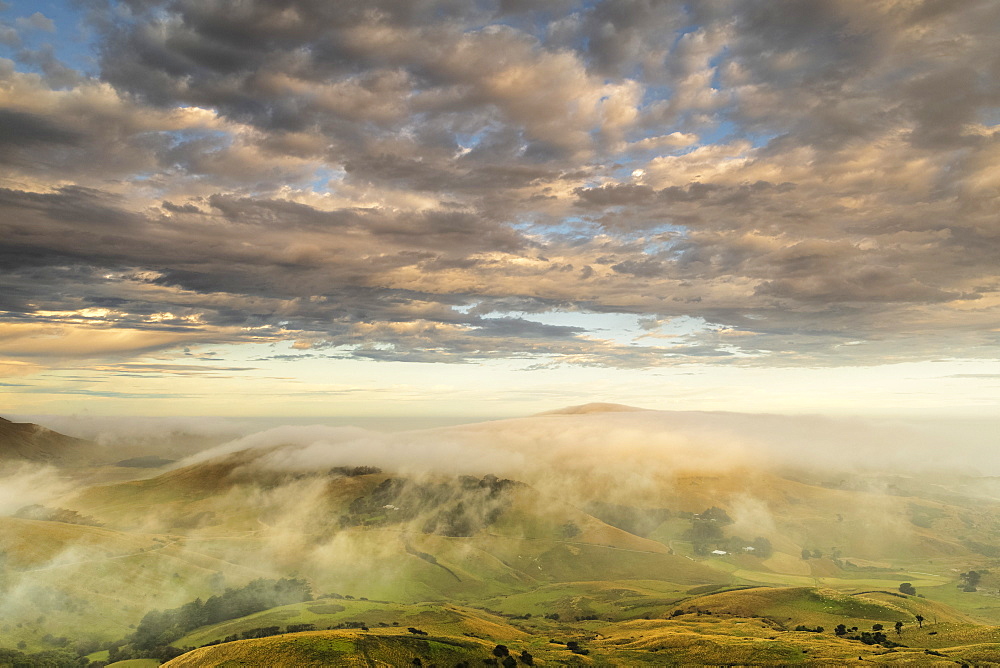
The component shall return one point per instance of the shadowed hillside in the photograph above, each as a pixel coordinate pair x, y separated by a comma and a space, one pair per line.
24, 441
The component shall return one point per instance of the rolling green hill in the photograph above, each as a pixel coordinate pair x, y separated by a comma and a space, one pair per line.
734, 627
720, 560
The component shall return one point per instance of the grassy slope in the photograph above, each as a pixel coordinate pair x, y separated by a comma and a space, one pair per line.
751, 637
524, 549
523, 563
31, 544
863, 524
81, 581
336, 648
24, 441
791, 606
434, 618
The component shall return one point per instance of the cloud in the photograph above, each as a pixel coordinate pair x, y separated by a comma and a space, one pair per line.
28, 340
363, 177
36, 21
22, 129
594, 453
24, 484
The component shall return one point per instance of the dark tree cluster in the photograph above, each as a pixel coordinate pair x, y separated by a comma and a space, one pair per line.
706, 534
353, 471
261, 632
58, 658
452, 509
299, 628
873, 637
159, 628
569, 530
970, 581
706, 529
715, 514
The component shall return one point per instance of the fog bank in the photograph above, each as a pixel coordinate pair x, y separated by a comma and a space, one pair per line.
621, 444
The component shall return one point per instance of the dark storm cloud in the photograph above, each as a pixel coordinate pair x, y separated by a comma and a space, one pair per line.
72, 225
521, 328
418, 180
21, 129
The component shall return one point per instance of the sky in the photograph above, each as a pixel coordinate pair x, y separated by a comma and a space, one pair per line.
488, 208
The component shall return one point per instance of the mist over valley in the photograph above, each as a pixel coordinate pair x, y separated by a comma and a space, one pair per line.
499, 333
616, 528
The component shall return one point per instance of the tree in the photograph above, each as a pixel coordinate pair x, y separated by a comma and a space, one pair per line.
806, 554
899, 628
704, 530
907, 588
877, 627
570, 530
526, 658
970, 580
840, 630
920, 621
501, 650
762, 547
715, 514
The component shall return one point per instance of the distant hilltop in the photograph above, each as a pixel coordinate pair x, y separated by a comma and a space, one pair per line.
26, 441
596, 407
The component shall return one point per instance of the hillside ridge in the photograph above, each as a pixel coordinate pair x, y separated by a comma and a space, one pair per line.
26, 441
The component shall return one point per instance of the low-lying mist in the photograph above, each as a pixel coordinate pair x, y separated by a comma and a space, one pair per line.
626, 447
25, 483
460, 511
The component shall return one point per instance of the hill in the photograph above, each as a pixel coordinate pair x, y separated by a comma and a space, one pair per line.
24, 441
366, 633
589, 524
74, 581
597, 407
424, 538
787, 607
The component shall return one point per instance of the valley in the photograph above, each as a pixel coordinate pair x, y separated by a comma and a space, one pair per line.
731, 564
